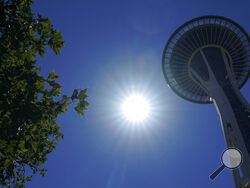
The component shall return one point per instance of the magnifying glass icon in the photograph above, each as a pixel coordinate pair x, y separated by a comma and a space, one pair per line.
231, 158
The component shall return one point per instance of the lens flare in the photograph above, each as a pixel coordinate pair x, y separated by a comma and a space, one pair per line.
135, 108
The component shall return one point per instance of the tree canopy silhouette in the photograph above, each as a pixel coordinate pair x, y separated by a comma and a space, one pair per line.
29, 103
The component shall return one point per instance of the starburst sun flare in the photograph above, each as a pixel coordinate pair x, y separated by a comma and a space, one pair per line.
135, 108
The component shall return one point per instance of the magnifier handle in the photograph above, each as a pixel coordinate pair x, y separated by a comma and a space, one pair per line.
216, 173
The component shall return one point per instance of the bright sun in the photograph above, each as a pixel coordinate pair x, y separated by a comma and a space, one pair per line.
135, 108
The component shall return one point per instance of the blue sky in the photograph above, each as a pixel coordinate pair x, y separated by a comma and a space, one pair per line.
114, 49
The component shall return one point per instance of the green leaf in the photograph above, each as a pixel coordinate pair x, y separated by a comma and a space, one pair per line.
79, 110
1, 154
64, 107
21, 145
65, 98
2, 143
42, 172
57, 126
41, 53
34, 128
74, 95
82, 95
6, 162
25, 150
34, 146
56, 50
52, 75
27, 137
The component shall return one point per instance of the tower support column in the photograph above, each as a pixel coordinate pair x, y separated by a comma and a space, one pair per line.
231, 106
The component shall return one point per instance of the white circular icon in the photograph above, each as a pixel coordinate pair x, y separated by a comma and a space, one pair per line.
231, 158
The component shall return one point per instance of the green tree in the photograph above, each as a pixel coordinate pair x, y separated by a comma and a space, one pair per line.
29, 103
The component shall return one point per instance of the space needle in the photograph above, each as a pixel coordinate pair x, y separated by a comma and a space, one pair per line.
207, 60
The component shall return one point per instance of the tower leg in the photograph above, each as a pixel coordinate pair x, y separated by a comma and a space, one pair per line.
231, 106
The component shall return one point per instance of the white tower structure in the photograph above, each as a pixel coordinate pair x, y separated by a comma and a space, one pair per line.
207, 60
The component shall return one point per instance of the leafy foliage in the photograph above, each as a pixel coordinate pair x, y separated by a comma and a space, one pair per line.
29, 103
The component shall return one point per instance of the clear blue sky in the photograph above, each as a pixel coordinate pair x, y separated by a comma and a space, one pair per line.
114, 48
